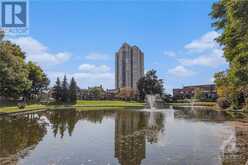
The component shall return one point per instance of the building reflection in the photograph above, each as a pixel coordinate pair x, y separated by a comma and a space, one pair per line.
19, 135
131, 131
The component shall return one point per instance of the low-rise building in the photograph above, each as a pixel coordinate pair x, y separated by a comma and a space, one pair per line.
187, 92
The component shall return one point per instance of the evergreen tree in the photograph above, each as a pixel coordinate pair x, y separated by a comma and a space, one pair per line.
73, 91
57, 91
65, 91
1, 35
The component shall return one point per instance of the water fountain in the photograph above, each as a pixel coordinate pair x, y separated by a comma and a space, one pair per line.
154, 102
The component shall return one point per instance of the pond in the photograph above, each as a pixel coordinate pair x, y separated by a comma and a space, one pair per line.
185, 136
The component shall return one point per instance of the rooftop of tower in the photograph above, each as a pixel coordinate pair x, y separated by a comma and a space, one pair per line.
125, 44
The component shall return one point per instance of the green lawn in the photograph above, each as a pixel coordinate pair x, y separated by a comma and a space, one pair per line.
105, 103
11, 109
81, 105
210, 104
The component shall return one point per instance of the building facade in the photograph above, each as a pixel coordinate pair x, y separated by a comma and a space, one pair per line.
187, 92
129, 66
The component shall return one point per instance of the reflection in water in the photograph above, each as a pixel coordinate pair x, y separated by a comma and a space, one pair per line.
138, 137
65, 120
130, 138
203, 113
131, 131
18, 135
236, 152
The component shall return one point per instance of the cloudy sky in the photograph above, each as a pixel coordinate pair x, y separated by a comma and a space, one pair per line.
80, 38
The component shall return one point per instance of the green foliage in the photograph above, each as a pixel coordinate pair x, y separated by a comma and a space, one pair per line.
1, 35
73, 91
96, 92
150, 84
199, 94
13, 71
231, 17
17, 78
223, 102
21, 105
64, 92
38, 78
57, 91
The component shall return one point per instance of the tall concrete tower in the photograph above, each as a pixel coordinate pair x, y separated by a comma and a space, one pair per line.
129, 66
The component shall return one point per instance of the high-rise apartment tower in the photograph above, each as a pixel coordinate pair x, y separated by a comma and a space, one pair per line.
129, 66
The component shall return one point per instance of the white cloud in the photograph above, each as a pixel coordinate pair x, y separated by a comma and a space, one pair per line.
213, 59
89, 68
207, 50
97, 56
37, 52
89, 75
170, 54
180, 71
207, 41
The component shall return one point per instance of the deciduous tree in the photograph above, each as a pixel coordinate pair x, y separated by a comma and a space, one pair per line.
231, 17
13, 71
150, 84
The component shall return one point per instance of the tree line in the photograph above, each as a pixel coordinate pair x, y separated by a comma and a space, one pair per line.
18, 78
231, 19
63, 92
27, 80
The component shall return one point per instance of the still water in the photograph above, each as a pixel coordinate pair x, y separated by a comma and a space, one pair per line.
180, 136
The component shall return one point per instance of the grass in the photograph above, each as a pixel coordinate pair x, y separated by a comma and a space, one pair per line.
13, 109
210, 104
81, 105
106, 103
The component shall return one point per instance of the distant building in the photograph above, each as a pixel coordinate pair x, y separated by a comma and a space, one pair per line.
97, 93
187, 92
129, 66
92, 93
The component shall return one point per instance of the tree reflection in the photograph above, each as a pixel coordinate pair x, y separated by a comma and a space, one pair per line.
18, 135
236, 152
131, 131
65, 120
199, 113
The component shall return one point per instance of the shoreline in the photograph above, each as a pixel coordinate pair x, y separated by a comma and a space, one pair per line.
80, 106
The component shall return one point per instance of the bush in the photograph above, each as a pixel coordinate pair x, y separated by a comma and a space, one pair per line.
21, 105
223, 103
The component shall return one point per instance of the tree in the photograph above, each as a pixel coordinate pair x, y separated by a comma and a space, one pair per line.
231, 17
57, 91
73, 91
97, 92
199, 94
1, 35
13, 71
150, 84
65, 91
39, 80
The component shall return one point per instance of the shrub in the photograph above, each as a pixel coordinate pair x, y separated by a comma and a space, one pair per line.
21, 105
223, 103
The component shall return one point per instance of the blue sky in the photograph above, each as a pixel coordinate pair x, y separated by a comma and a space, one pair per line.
80, 38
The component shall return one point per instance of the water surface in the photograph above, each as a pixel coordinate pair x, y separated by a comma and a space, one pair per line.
132, 137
